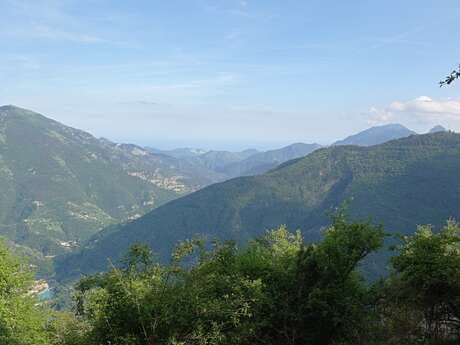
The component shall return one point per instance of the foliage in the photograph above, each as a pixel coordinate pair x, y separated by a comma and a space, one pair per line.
277, 289
426, 278
64, 328
454, 75
227, 295
21, 321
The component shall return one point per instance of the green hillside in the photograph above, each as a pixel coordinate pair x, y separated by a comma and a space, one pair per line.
61, 185
401, 183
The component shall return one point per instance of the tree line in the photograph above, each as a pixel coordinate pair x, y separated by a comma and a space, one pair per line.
277, 289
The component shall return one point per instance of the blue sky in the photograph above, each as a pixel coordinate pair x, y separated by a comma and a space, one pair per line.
231, 74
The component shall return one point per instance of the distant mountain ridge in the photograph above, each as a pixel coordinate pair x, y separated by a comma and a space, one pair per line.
61, 186
377, 135
248, 162
182, 152
252, 162
219, 160
401, 183
264, 161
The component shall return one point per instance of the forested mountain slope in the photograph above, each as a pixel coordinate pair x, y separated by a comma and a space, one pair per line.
401, 184
60, 185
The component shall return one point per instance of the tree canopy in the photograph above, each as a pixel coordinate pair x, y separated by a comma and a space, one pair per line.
21, 321
313, 293
276, 289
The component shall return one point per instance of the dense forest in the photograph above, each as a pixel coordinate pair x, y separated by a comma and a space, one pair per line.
277, 289
399, 184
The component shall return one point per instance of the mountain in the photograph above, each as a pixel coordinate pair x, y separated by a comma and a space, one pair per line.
437, 129
213, 160
377, 135
183, 152
244, 163
401, 183
218, 161
264, 161
60, 185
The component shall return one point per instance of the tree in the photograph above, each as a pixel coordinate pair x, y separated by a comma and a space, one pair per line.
207, 302
426, 277
21, 320
333, 300
275, 290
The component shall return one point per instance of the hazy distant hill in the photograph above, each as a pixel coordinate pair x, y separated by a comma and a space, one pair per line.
437, 129
219, 160
401, 183
211, 162
183, 152
377, 135
264, 161
248, 162
61, 184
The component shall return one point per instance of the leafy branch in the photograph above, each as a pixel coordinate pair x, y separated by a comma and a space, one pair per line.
455, 74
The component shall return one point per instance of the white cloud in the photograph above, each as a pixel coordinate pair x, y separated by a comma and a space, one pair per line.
379, 116
427, 108
422, 109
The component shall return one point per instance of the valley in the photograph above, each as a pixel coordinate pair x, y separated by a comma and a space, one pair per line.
71, 200
62, 185
234, 172
382, 183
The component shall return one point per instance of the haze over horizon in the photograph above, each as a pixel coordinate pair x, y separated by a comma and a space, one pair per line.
268, 74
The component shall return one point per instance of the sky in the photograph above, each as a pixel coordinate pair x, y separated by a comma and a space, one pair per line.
231, 74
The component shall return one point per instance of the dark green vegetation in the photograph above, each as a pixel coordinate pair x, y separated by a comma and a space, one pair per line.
400, 184
21, 321
424, 288
377, 135
275, 290
61, 185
